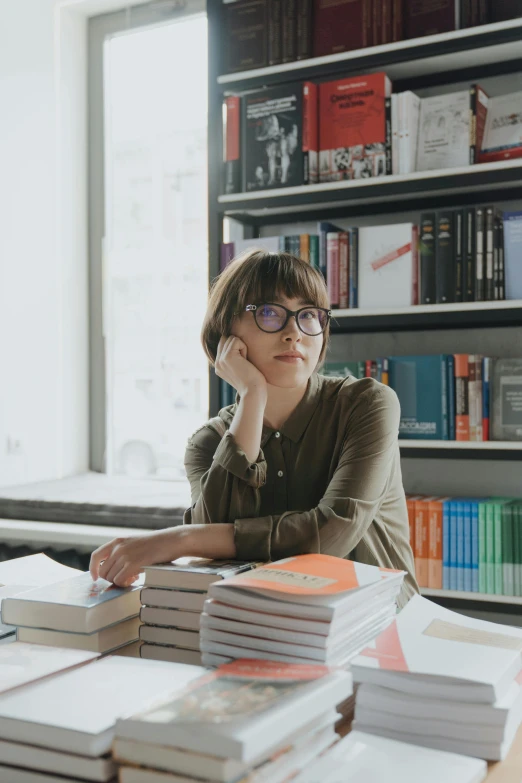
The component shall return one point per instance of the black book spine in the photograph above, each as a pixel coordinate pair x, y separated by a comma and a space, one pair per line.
275, 32
445, 255
388, 144
496, 267
428, 260
501, 268
469, 255
489, 265
459, 255
479, 255
289, 11
304, 29
483, 11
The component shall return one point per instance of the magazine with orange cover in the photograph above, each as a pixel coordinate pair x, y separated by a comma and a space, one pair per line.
354, 129
435, 513
310, 575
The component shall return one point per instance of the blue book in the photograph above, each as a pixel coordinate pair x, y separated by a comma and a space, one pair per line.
450, 361
446, 545
512, 254
421, 386
460, 544
474, 546
467, 545
453, 545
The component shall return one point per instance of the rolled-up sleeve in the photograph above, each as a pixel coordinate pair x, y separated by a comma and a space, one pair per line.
352, 498
224, 483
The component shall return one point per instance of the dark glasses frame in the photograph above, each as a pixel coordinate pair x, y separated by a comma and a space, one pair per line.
289, 314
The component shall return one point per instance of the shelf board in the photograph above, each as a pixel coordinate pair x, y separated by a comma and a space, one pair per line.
430, 592
454, 449
476, 48
380, 192
459, 445
428, 317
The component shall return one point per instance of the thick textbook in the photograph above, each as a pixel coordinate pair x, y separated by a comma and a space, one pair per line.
421, 386
197, 574
46, 762
241, 710
76, 711
101, 641
76, 604
430, 651
180, 600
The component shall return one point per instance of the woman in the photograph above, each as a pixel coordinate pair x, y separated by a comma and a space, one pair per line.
300, 463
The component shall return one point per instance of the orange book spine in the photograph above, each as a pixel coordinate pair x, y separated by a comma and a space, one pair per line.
421, 542
435, 508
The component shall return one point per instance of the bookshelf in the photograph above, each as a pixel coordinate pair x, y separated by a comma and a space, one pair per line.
427, 63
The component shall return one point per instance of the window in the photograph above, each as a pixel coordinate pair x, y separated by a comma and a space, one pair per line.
154, 272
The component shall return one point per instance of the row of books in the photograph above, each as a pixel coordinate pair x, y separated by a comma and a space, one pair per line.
468, 544
462, 397
355, 128
460, 255
270, 32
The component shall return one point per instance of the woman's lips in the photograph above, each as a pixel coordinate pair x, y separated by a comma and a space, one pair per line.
289, 359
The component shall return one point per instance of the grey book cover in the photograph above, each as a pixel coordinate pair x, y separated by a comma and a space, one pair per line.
507, 399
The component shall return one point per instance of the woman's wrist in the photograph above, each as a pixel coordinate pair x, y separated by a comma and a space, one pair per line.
213, 541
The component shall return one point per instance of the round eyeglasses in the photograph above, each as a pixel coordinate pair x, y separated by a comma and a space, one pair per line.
271, 317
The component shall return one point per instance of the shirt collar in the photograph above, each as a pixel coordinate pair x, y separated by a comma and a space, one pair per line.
297, 422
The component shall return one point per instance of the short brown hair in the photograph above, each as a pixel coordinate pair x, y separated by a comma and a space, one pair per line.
257, 276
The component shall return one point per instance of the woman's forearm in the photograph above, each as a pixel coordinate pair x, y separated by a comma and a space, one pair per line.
247, 424
213, 541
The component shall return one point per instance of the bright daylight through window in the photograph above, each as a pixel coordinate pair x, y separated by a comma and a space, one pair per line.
155, 249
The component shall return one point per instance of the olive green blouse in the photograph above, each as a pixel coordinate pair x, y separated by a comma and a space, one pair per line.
328, 481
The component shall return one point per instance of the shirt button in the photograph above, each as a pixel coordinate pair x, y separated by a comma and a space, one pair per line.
280, 473
278, 434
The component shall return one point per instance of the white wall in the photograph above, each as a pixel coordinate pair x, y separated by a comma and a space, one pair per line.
43, 259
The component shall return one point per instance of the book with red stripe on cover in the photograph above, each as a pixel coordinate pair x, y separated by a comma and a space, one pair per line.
388, 266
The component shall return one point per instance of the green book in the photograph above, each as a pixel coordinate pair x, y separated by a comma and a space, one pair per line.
500, 555
508, 567
490, 548
343, 369
314, 251
482, 548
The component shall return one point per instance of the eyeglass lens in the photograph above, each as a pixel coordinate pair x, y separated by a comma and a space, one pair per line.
271, 318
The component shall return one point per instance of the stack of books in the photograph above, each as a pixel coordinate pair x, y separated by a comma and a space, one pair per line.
76, 613
250, 720
61, 728
440, 679
172, 602
366, 758
305, 609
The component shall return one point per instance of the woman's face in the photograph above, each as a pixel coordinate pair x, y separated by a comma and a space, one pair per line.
266, 350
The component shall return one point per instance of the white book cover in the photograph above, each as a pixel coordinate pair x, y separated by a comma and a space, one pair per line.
444, 131
76, 711
409, 131
23, 663
365, 758
386, 700
76, 604
432, 651
503, 131
193, 573
241, 710
34, 571
289, 754
395, 98
387, 266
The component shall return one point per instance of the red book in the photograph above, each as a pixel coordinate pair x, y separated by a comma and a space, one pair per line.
310, 131
461, 396
341, 26
478, 104
429, 17
231, 145
353, 132
344, 265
